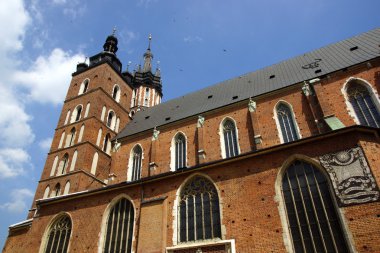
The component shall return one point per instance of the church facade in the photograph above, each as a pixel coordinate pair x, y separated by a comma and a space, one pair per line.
283, 159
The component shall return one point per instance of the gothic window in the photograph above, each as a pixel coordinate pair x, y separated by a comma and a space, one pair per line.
107, 143
116, 93
67, 117
198, 211
231, 147
46, 193
136, 163
119, 227
313, 220
59, 235
76, 114
70, 138
111, 120
52, 172
83, 87
63, 165
365, 109
57, 190
180, 151
67, 188
146, 97
287, 123
94, 163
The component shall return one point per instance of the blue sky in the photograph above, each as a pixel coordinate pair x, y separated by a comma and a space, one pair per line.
198, 43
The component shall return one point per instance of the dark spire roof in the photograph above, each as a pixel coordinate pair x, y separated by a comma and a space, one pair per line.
111, 43
148, 56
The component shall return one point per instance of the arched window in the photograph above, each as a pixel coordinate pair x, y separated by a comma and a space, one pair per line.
76, 114
231, 146
87, 109
111, 120
116, 93
100, 132
198, 210
46, 193
146, 97
81, 133
74, 160
70, 138
59, 235
365, 109
107, 143
136, 163
313, 220
63, 165
57, 190
94, 163
67, 188
119, 227
67, 117
179, 151
83, 87
52, 172
103, 113
287, 123
61, 140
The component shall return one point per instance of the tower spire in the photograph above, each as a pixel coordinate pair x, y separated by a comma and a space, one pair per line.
148, 56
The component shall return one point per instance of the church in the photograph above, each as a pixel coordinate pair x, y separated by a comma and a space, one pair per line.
282, 159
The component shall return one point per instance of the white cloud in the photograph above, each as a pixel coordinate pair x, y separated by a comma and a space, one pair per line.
45, 144
59, 1
146, 3
12, 162
18, 202
189, 39
49, 76
12, 32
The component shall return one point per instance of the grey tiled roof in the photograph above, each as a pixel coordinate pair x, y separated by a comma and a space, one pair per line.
326, 60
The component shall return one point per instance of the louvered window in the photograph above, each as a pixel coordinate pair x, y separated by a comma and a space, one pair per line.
59, 236
180, 151
363, 104
313, 221
120, 228
287, 124
198, 211
230, 139
136, 163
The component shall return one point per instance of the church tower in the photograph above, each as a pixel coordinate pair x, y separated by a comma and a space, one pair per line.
96, 107
147, 90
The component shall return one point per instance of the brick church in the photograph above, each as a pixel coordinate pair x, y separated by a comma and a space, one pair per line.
283, 159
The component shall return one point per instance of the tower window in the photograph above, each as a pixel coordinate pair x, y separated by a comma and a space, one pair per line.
287, 123
59, 235
198, 209
231, 147
83, 87
136, 163
116, 93
107, 143
70, 138
363, 104
313, 221
146, 97
63, 165
180, 151
119, 231
76, 114
57, 190
111, 120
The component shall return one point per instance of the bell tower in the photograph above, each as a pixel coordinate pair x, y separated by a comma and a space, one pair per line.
147, 90
95, 108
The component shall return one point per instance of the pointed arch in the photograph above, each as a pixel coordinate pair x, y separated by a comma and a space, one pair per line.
362, 102
70, 138
229, 141
74, 160
198, 210
107, 143
94, 163
57, 235
178, 151
117, 231
308, 210
111, 119
67, 188
81, 133
116, 93
76, 116
67, 117
84, 86
104, 109
100, 132
61, 140
286, 123
52, 172
87, 110
63, 165
46, 192
135, 163
56, 191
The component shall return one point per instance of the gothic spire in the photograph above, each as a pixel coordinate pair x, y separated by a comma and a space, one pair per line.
148, 56
111, 43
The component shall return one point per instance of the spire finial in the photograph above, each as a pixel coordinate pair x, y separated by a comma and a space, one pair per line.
150, 39
114, 31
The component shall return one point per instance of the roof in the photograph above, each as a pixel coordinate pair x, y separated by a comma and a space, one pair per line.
308, 66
